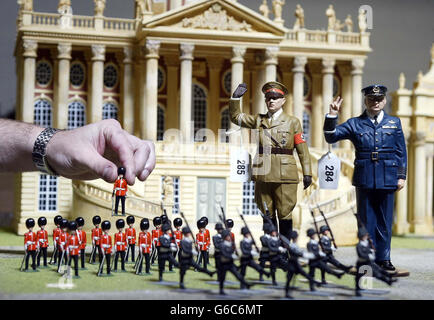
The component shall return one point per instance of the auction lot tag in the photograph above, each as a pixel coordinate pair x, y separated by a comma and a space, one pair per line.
329, 167
240, 165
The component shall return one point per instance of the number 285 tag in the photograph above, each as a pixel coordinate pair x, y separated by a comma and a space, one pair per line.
240, 163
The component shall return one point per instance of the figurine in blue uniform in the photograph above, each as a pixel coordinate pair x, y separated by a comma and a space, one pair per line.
379, 168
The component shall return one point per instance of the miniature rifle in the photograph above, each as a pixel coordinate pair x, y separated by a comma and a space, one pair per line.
101, 265
24, 259
194, 241
248, 229
92, 252
113, 201
61, 261
328, 226
361, 224
54, 253
316, 227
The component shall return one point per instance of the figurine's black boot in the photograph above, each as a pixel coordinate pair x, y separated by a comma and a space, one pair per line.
386, 265
285, 227
312, 286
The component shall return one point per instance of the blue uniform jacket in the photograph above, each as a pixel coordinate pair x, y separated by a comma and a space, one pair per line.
381, 156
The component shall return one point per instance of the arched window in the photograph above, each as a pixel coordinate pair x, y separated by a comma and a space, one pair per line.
199, 108
42, 114
109, 111
160, 123
77, 74
110, 75
76, 115
249, 204
225, 123
43, 73
227, 81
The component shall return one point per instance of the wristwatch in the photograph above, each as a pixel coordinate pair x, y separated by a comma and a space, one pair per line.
40, 151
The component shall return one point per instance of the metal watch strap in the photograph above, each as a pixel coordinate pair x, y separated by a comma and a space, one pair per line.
40, 149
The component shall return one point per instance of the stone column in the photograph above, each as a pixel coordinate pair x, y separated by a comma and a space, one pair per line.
186, 91
345, 114
401, 225
150, 109
271, 63
418, 223
258, 78
172, 107
98, 58
298, 84
317, 102
128, 91
28, 91
60, 113
286, 66
213, 116
237, 71
429, 188
356, 74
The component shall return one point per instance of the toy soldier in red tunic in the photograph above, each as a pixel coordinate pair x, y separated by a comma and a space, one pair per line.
30, 244
177, 233
202, 243
120, 244
120, 190
208, 235
229, 225
82, 237
156, 234
56, 233
61, 243
145, 244
42, 239
131, 238
73, 246
96, 240
106, 245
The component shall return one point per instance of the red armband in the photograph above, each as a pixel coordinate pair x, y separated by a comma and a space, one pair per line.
299, 138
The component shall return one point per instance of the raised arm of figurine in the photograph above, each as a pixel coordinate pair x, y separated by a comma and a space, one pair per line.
90, 152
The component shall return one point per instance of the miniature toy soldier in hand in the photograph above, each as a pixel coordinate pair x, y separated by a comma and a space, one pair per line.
247, 254
120, 190
186, 253
120, 244
56, 233
274, 168
165, 252
319, 260
380, 165
96, 240
227, 256
131, 238
82, 237
42, 239
106, 245
145, 244
202, 243
328, 248
73, 246
365, 262
30, 244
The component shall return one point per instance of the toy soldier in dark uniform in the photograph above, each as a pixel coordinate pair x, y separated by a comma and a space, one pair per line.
217, 240
165, 251
380, 165
319, 260
277, 260
42, 239
328, 248
274, 168
186, 252
264, 254
120, 190
247, 254
227, 256
81, 234
30, 244
365, 262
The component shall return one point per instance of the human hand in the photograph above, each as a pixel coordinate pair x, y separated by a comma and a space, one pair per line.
335, 106
97, 150
307, 181
240, 91
401, 184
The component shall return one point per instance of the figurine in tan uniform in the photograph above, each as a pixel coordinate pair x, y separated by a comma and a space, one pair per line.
274, 168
